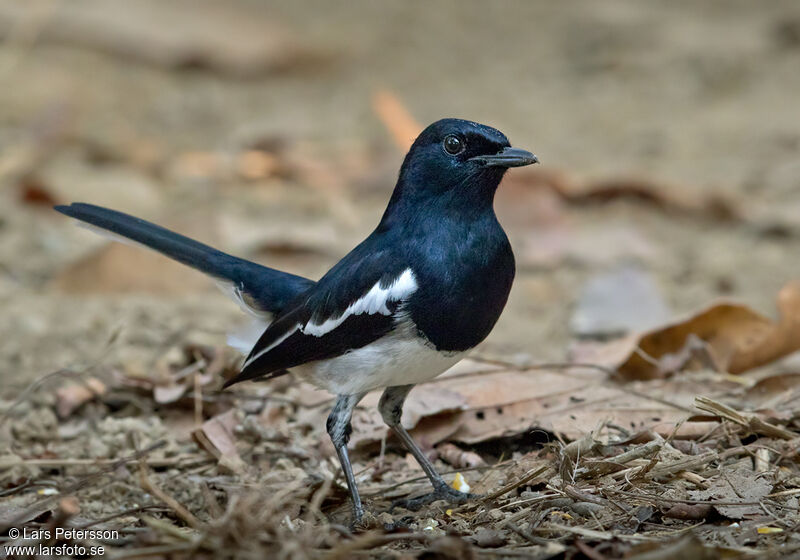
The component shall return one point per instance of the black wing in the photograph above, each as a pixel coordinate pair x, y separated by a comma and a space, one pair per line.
354, 304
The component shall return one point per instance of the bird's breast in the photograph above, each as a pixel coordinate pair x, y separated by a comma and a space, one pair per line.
462, 290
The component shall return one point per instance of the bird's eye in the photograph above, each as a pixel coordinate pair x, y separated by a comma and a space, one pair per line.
453, 144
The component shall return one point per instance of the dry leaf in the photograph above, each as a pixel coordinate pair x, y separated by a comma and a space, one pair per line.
458, 458
510, 402
474, 402
396, 118
672, 199
727, 336
34, 192
736, 486
257, 164
216, 437
776, 392
164, 394
72, 396
488, 538
692, 512
425, 403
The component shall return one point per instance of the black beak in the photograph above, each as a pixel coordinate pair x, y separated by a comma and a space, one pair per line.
509, 157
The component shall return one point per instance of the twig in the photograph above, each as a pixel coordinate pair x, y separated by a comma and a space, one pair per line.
534, 473
173, 504
583, 532
198, 401
750, 421
606, 466
525, 534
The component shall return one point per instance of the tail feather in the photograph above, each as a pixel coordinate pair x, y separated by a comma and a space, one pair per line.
261, 289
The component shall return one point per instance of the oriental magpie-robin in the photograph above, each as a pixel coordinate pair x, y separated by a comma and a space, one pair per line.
424, 288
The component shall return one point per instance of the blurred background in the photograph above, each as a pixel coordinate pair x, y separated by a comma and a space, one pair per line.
667, 131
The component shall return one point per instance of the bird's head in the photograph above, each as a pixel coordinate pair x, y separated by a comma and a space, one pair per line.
462, 160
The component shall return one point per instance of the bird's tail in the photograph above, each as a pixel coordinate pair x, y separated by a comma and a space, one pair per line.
261, 289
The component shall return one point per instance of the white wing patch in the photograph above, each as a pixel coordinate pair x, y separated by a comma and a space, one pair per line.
374, 301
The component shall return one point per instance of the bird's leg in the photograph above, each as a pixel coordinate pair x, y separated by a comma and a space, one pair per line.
391, 408
339, 430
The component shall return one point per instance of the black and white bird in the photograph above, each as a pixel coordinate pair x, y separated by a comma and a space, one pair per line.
406, 304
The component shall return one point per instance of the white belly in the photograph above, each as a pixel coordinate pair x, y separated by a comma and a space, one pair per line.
396, 359
400, 358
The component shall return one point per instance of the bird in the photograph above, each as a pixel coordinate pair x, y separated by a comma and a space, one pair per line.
407, 303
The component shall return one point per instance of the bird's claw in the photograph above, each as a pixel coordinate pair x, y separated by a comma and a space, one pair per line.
444, 492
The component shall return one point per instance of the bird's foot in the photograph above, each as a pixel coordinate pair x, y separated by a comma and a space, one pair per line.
443, 492
358, 518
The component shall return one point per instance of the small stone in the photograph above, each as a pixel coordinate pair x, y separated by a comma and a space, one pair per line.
488, 538
431, 527
496, 514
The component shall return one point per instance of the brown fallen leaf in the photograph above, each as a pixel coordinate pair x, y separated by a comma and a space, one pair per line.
777, 392
730, 486
397, 119
476, 402
72, 396
458, 458
428, 403
216, 437
570, 403
725, 336
257, 164
34, 192
488, 538
165, 394
691, 512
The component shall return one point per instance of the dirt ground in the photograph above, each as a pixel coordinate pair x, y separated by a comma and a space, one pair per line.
669, 141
